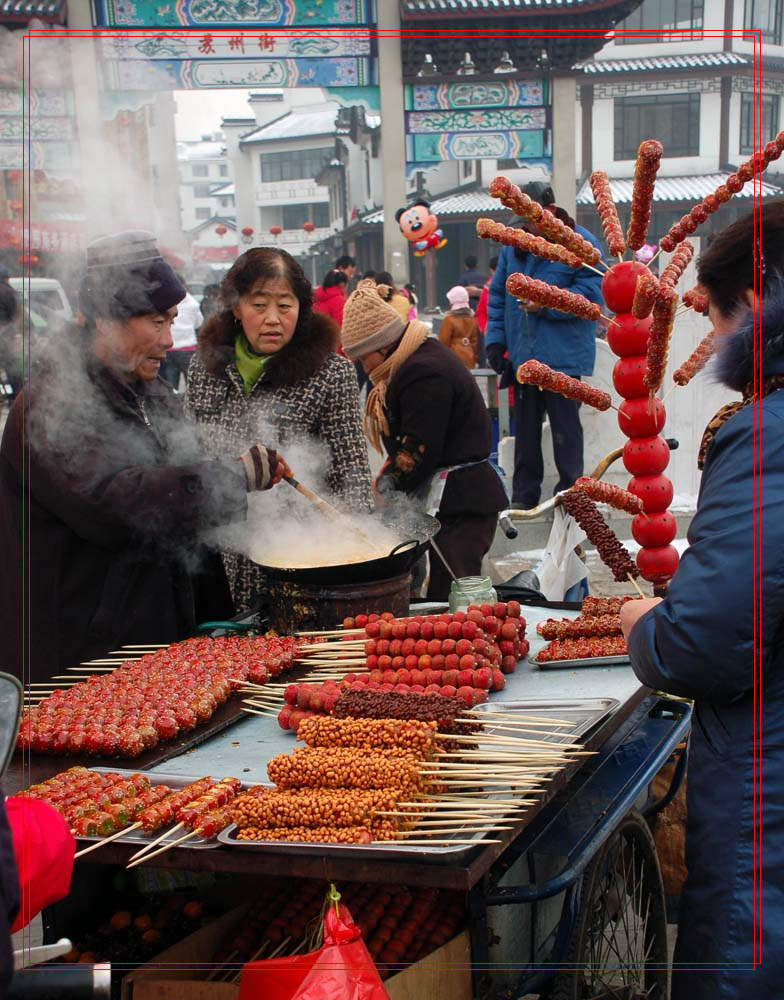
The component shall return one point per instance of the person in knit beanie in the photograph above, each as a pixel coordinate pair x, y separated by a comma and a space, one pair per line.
426, 412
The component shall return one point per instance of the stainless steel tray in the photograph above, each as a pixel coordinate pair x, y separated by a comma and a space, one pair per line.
586, 661
138, 836
585, 714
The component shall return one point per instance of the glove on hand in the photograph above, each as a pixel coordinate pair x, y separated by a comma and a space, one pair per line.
495, 357
264, 467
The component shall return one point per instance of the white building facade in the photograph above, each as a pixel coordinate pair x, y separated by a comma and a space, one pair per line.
205, 181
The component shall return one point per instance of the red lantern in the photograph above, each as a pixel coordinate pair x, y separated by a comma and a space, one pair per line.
123, 119
32, 259
15, 206
308, 226
276, 230
221, 230
247, 230
13, 175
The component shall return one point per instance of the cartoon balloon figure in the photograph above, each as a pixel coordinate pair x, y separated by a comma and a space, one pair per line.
420, 227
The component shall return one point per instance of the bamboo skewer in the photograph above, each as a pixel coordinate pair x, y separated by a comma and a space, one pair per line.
166, 847
253, 711
224, 966
107, 840
159, 840
516, 740
490, 713
635, 585
438, 843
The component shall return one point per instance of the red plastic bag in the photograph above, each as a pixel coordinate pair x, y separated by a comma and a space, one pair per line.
341, 969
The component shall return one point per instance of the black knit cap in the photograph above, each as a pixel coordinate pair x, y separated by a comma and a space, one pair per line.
540, 191
127, 276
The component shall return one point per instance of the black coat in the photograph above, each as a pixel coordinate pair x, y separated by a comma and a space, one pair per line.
719, 638
437, 418
118, 495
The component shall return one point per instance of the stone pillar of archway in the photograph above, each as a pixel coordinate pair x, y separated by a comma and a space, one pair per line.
393, 136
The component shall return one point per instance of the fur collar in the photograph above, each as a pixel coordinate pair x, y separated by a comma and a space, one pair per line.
301, 358
735, 360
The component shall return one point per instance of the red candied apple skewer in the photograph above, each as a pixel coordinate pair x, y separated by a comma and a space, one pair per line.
551, 297
608, 213
610, 494
649, 154
536, 373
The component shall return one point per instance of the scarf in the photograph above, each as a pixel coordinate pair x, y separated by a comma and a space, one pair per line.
376, 423
249, 364
767, 386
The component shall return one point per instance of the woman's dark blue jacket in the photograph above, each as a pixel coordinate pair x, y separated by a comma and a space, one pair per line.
701, 643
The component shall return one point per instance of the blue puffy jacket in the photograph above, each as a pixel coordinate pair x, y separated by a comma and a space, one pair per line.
700, 643
555, 338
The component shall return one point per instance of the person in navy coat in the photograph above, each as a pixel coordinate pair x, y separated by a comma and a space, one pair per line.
718, 636
557, 339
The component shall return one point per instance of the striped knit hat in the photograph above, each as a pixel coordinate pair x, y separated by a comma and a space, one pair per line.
369, 323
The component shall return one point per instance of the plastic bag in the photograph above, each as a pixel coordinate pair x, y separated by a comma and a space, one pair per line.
341, 969
561, 568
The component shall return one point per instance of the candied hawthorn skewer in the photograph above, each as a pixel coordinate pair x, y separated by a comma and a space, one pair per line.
536, 373
608, 493
608, 213
672, 273
512, 197
659, 336
696, 299
612, 553
579, 628
696, 361
487, 229
649, 154
551, 297
645, 291
581, 649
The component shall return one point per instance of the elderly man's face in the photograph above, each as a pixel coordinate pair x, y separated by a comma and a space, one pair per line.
135, 347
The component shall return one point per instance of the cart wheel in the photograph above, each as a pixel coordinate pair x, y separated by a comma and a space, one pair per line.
620, 935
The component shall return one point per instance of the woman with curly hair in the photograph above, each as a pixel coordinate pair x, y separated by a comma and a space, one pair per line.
265, 358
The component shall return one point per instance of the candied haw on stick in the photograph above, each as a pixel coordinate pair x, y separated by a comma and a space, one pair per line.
645, 292
671, 275
487, 229
649, 154
696, 299
659, 336
536, 373
582, 649
696, 360
608, 213
551, 297
608, 493
577, 628
612, 553
512, 197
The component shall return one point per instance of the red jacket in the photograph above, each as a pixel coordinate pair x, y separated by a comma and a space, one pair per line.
330, 302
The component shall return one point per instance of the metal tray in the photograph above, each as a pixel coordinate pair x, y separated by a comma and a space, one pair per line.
586, 661
586, 714
138, 836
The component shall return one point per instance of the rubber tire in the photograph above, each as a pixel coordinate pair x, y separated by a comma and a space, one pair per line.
569, 985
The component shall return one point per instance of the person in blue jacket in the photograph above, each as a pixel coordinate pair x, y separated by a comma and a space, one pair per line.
557, 339
718, 636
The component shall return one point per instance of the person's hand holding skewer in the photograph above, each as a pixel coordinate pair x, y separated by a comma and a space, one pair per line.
264, 467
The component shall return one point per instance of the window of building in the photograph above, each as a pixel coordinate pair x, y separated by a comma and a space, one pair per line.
368, 185
467, 168
203, 213
675, 19
223, 169
295, 215
507, 164
764, 16
292, 165
767, 121
201, 170
201, 190
673, 118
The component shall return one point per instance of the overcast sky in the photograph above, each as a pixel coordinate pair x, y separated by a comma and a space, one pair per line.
200, 111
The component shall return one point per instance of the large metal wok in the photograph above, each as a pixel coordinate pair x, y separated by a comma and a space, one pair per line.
414, 527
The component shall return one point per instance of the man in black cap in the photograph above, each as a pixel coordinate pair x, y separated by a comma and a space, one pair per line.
119, 494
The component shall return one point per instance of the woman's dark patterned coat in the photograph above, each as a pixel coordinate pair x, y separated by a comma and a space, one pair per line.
307, 392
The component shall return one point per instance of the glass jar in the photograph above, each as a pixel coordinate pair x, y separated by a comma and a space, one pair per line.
471, 590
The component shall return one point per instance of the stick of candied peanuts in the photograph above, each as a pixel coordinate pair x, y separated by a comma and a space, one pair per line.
536, 373
659, 337
732, 185
488, 229
610, 494
551, 297
608, 213
512, 197
649, 154
696, 360
645, 291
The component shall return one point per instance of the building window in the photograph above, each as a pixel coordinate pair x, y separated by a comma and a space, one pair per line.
203, 213
763, 16
223, 169
368, 185
295, 215
671, 20
201, 190
467, 168
293, 165
201, 170
674, 119
767, 124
